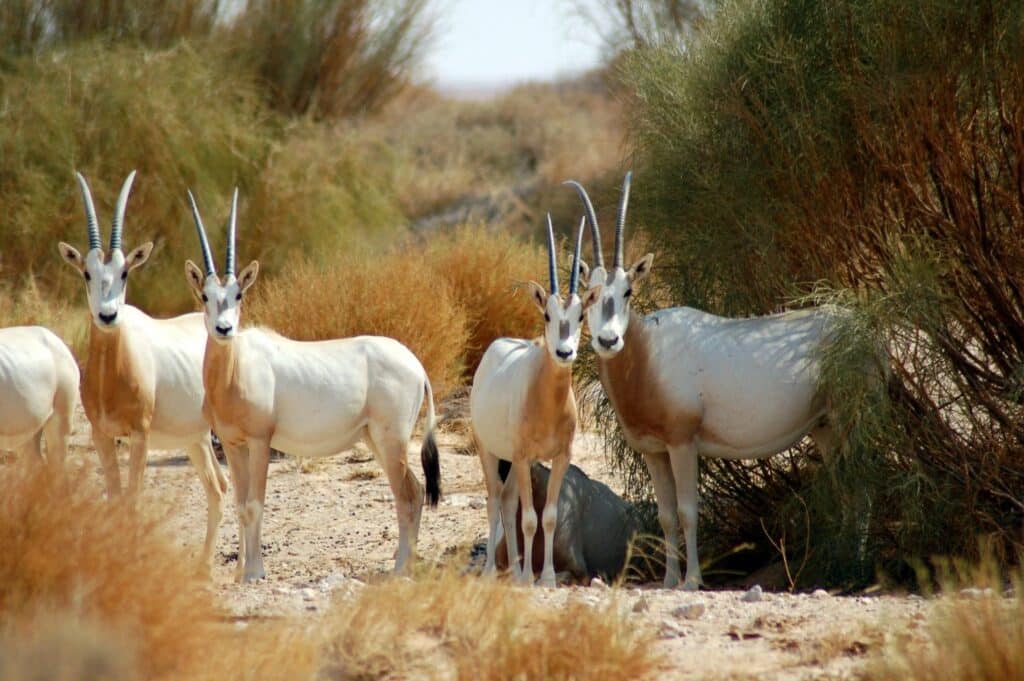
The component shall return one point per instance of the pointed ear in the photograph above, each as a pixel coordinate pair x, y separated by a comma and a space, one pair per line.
538, 295
591, 295
641, 268
247, 277
195, 277
138, 256
71, 256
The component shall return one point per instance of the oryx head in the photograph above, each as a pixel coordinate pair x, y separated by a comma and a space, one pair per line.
222, 301
609, 319
563, 317
106, 274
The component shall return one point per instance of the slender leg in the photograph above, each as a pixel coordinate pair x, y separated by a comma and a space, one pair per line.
107, 450
57, 431
665, 494
202, 458
238, 464
521, 469
407, 490
684, 468
509, 501
559, 465
137, 462
259, 464
31, 453
492, 480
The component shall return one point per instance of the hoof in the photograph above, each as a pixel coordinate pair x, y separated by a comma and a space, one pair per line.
671, 582
547, 581
254, 576
691, 584
524, 578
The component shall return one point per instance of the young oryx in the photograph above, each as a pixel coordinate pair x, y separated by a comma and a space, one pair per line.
38, 392
306, 399
523, 409
143, 376
684, 382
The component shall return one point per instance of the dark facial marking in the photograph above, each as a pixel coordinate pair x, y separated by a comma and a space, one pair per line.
608, 308
563, 329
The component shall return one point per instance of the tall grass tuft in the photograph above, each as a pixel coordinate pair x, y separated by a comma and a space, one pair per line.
802, 151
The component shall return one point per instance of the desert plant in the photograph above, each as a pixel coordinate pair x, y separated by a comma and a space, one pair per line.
866, 154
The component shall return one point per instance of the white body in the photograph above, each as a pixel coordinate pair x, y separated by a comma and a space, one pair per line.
38, 392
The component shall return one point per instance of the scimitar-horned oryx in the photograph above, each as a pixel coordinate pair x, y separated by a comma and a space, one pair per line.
523, 409
142, 376
307, 399
685, 383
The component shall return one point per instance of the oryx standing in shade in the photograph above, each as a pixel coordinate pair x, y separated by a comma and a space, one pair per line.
685, 383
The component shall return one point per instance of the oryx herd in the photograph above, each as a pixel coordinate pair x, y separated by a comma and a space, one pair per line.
682, 382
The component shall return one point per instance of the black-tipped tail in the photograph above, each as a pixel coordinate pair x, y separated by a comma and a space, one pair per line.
431, 468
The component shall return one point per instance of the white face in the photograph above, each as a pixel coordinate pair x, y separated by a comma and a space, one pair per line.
222, 303
608, 319
563, 321
106, 279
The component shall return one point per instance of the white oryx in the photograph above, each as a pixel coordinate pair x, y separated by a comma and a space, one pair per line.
143, 376
307, 399
38, 393
685, 383
523, 409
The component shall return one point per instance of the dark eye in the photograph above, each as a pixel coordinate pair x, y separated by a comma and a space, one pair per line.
238, 297
205, 299
88, 277
547, 317
628, 292
124, 275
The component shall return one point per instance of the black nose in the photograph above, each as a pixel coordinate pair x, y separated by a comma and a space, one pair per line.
224, 330
564, 354
107, 318
608, 343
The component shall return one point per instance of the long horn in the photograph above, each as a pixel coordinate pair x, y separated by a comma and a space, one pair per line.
229, 264
90, 213
595, 233
574, 276
552, 268
201, 231
620, 221
122, 202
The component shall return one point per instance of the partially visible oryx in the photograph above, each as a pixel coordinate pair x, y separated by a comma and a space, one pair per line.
523, 409
684, 382
38, 393
143, 376
307, 399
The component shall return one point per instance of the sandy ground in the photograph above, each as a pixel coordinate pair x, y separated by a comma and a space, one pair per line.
330, 523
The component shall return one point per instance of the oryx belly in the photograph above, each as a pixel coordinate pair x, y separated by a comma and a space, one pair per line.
28, 382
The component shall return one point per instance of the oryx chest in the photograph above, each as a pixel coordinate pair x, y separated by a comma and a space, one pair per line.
116, 398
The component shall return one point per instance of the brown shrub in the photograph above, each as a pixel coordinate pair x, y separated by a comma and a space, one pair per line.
484, 268
487, 630
392, 295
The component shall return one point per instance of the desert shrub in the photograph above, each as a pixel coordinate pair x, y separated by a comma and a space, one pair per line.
36, 25
93, 110
331, 59
488, 631
625, 24
484, 268
866, 154
394, 294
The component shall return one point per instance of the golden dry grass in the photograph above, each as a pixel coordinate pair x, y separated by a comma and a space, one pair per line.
445, 625
484, 268
393, 294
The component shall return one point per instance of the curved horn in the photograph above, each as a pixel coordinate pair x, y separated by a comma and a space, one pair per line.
203, 243
552, 267
90, 213
122, 202
595, 233
620, 221
574, 276
229, 264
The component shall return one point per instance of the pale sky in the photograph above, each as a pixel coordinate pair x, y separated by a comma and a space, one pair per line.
499, 42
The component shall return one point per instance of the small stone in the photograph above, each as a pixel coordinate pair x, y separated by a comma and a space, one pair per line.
282, 590
819, 593
598, 583
915, 597
975, 593
753, 595
307, 594
670, 629
641, 605
691, 611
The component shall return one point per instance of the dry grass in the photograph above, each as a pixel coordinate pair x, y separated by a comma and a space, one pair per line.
444, 625
484, 268
393, 295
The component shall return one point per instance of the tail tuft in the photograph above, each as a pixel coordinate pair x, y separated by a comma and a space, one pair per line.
431, 469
